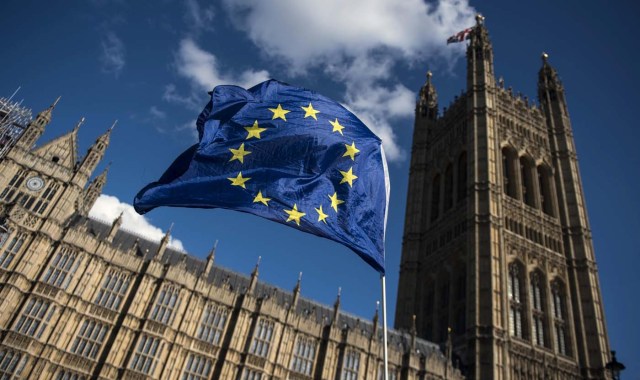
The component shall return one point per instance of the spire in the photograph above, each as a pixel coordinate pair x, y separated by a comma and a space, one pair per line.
254, 276
35, 129
115, 226
78, 125
336, 306
414, 332
548, 76
164, 242
375, 319
296, 291
94, 190
210, 258
428, 102
96, 152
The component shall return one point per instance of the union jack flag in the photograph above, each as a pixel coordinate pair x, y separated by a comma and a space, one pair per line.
460, 36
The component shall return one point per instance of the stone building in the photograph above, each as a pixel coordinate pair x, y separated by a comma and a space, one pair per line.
497, 243
83, 299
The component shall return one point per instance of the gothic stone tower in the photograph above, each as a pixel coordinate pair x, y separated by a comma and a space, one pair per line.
497, 245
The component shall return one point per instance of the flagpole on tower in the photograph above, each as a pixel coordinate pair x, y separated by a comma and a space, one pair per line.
384, 327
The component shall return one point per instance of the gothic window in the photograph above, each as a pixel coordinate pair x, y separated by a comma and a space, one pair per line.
462, 176
9, 191
11, 364
528, 192
251, 374
68, 375
516, 301
212, 325
35, 317
559, 318
89, 339
509, 165
350, 365
46, 197
12, 250
262, 338
62, 268
197, 368
304, 355
537, 308
435, 197
146, 356
114, 288
166, 304
546, 195
448, 188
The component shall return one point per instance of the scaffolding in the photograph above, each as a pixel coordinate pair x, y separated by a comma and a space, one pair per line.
13, 120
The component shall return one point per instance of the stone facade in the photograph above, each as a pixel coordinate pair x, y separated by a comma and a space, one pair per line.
82, 299
497, 244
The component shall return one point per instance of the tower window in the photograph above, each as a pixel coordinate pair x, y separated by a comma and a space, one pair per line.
12, 250
213, 322
516, 303
351, 365
11, 364
89, 339
61, 269
35, 317
114, 288
537, 308
147, 353
197, 368
559, 318
304, 356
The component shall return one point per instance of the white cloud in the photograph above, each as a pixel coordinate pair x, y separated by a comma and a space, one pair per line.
113, 54
357, 43
107, 208
156, 113
198, 17
202, 69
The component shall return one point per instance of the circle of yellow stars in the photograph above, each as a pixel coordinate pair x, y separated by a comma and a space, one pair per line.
295, 215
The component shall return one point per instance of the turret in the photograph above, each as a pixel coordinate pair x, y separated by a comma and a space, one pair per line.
479, 58
95, 153
210, 259
35, 129
163, 243
427, 106
296, 292
115, 226
93, 191
254, 277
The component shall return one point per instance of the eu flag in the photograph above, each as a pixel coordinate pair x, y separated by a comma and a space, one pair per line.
287, 154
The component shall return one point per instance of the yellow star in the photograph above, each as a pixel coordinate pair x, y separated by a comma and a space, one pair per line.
238, 181
261, 199
309, 111
294, 214
238, 154
254, 131
351, 151
348, 177
337, 127
321, 215
335, 201
279, 113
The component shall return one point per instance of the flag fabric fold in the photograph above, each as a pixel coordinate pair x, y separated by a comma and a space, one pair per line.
287, 154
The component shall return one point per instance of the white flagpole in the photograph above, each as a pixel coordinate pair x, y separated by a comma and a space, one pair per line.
384, 328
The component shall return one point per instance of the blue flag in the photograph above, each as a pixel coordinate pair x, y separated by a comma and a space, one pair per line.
286, 154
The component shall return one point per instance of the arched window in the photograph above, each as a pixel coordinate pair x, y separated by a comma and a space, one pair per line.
537, 308
448, 188
546, 195
559, 318
526, 170
435, 197
516, 301
509, 173
462, 176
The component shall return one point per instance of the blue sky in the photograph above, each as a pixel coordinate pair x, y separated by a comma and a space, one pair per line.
150, 66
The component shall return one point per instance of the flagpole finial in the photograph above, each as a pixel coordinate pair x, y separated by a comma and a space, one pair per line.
429, 75
479, 19
545, 57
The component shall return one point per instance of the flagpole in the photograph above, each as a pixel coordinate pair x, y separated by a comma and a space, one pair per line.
384, 327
